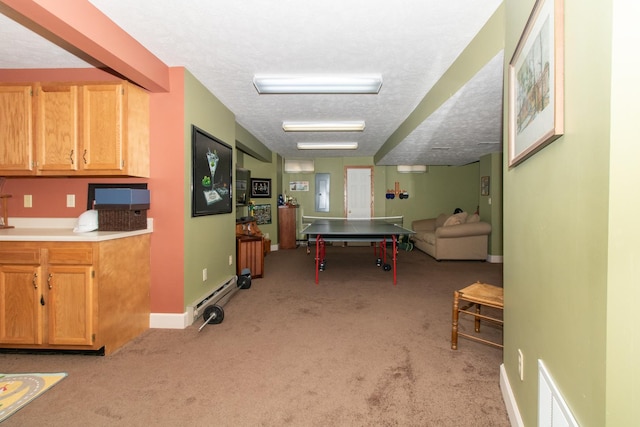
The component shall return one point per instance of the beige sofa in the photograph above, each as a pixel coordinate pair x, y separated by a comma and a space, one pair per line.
449, 237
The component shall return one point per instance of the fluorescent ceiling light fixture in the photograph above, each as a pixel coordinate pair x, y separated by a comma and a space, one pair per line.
310, 83
412, 168
351, 126
327, 145
298, 166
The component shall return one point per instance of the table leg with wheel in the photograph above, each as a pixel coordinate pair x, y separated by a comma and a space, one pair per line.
317, 260
394, 243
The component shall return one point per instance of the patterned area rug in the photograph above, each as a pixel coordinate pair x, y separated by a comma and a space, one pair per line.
16, 390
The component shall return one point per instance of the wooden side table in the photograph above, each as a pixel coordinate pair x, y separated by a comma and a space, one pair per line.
249, 248
287, 227
477, 294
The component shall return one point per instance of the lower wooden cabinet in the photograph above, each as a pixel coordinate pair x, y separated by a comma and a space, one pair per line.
250, 255
74, 295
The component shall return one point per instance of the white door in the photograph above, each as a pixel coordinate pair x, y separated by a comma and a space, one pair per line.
359, 192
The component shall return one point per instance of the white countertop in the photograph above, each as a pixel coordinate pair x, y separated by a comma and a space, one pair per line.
59, 230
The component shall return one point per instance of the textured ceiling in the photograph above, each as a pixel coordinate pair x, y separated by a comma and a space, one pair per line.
224, 43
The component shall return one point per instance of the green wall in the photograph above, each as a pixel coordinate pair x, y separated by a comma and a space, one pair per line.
441, 190
209, 240
556, 228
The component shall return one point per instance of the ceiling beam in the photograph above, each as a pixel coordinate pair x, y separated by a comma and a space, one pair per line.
81, 28
483, 48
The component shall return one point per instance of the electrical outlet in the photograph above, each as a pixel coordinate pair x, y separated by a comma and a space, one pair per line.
28, 201
204, 274
71, 200
521, 365
230, 259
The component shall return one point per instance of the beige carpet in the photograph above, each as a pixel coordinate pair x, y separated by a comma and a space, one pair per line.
352, 351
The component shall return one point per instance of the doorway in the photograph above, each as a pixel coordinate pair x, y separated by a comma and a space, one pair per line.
358, 192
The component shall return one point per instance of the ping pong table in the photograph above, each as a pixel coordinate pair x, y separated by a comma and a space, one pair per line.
381, 230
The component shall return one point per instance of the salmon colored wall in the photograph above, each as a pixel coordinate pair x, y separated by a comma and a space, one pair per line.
49, 195
167, 172
165, 184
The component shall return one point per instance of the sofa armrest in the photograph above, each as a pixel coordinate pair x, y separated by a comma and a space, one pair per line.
422, 225
464, 230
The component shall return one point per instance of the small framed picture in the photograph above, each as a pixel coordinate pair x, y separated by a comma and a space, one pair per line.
484, 186
262, 214
261, 188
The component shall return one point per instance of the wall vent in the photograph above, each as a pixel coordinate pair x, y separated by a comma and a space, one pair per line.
552, 409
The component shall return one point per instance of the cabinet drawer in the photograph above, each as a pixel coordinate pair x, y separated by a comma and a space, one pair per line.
20, 256
71, 255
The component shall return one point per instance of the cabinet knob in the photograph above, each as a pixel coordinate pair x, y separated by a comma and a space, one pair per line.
71, 157
84, 156
49, 281
35, 280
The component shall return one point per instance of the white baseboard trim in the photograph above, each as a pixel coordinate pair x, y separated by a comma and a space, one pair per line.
509, 399
168, 320
495, 259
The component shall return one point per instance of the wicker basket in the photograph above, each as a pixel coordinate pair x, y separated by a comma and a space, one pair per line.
122, 219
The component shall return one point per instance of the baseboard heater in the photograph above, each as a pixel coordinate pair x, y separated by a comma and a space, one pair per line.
209, 307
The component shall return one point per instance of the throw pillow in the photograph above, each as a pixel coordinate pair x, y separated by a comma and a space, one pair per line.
473, 218
455, 219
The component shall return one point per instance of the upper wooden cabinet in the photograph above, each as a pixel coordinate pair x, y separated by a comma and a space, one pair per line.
16, 130
57, 128
99, 129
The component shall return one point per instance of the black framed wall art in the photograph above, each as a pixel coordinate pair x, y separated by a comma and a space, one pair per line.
212, 174
260, 188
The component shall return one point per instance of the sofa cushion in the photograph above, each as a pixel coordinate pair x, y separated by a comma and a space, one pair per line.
440, 220
423, 225
430, 238
421, 235
456, 219
473, 218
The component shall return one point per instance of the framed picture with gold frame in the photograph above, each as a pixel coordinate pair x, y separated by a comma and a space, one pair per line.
536, 83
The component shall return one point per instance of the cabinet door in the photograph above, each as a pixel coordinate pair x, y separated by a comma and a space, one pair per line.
16, 130
70, 305
102, 123
250, 254
20, 304
57, 128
